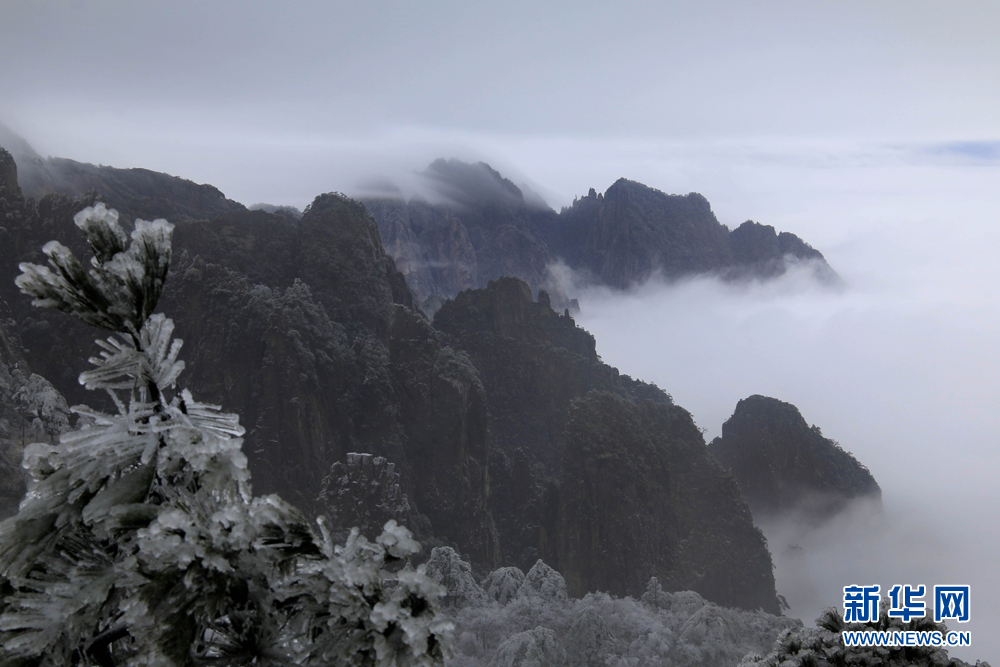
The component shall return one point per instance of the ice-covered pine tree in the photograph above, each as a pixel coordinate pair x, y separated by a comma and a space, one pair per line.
139, 542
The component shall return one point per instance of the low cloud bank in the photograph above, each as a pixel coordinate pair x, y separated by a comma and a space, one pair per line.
901, 368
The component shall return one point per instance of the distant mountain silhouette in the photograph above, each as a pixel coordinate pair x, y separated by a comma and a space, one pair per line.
133, 192
783, 465
486, 228
481, 227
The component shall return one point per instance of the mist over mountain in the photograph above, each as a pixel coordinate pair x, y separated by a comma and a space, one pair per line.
783, 465
486, 228
133, 192
492, 416
580, 446
509, 440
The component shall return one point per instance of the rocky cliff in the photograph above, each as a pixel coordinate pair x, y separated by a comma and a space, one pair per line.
483, 227
133, 192
633, 231
686, 524
759, 251
598, 474
9, 188
782, 464
31, 410
480, 229
507, 432
624, 235
305, 329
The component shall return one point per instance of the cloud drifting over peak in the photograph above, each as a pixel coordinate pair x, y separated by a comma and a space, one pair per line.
900, 365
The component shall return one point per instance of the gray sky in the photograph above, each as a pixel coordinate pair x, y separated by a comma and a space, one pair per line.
871, 129
240, 93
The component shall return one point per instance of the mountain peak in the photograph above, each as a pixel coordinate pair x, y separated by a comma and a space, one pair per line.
782, 464
467, 183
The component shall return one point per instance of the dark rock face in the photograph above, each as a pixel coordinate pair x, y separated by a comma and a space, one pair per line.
633, 231
13, 420
621, 237
8, 176
306, 330
758, 251
782, 464
686, 523
487, 230
11, 199
133, 192
324, 356
31, 410
596, 473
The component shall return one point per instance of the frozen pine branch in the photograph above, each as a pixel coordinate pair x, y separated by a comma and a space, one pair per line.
139, 541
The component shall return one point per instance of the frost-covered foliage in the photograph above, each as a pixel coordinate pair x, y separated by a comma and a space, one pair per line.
139, 541
823, 646
531, 648
540, 625
502, 585
447, 568
363, 492
543, 581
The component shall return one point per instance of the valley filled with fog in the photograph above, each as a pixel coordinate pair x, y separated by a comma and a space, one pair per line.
899, 363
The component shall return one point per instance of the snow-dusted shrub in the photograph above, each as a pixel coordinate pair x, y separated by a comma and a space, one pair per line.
502, 585
682, 603
589, 639
679, 629
447, 568
532, 648
823, 645
139, 541
543, 581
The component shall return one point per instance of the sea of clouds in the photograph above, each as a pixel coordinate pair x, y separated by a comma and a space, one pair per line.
900, 364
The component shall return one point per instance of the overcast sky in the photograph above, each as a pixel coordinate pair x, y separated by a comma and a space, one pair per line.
870, 129
242, 94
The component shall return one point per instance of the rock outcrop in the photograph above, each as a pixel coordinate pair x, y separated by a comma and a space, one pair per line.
759, 251
686, 524
483, 227
783, 465
581, 447
9, 188
133, 192
31, 410
305, 329
322, 355
482, 230
633, 231
533, 363
622, 237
